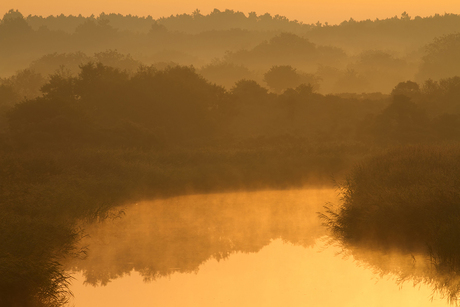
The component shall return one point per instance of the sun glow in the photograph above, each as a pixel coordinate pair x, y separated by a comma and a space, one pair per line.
331, 11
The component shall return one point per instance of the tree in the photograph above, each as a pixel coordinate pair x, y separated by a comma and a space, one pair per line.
14, 31
442, 58
409, 89
402, 121
282, 77
26, 83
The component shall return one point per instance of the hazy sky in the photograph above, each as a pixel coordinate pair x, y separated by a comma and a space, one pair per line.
309, 11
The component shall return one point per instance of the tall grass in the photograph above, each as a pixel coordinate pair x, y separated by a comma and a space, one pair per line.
406, 200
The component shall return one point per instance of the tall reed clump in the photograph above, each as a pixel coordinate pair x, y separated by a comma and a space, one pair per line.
407, 200
30, 261
43, 204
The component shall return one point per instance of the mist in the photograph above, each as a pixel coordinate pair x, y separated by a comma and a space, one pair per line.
179, 234
140, 144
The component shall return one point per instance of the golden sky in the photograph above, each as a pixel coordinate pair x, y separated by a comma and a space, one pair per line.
308, 11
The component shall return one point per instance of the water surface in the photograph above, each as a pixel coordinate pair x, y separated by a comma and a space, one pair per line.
233, 249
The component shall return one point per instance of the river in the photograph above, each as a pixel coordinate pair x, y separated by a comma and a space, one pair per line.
264, 248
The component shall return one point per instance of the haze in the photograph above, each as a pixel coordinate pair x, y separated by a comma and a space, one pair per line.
179, 134
331, 11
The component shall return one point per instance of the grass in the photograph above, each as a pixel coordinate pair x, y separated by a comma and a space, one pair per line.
405, 200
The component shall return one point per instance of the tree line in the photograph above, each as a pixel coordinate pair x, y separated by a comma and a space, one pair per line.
394, 50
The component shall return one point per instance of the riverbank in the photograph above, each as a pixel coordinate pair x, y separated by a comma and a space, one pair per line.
47, 195
405, 200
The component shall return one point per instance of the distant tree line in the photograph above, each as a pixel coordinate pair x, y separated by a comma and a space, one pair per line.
151, 106
355, 56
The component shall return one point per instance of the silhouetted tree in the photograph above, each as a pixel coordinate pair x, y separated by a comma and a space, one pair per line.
26, 83
15, 34
8, 96
249, 90
50, 63
442, 58
283, 49
409, 89
402, 121
12, 23
279, 78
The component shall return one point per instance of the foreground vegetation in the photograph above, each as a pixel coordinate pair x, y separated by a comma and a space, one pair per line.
87, 142
406, 200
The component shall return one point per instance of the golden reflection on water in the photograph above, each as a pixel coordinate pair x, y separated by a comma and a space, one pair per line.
242, 249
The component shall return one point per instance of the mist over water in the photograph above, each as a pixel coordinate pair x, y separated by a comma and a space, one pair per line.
161, 237
245, 249
105, 121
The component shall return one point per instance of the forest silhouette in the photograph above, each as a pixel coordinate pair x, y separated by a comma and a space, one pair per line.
99, 112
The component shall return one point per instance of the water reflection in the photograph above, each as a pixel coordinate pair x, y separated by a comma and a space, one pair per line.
270, 242
417, 268
161, 237
280, 274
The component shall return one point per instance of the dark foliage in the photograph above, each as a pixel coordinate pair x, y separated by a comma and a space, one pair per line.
406, 200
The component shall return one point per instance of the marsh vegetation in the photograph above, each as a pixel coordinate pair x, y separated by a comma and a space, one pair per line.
406, 201
98, 112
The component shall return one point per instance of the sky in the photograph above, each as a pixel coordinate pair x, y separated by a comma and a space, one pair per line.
307, 11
